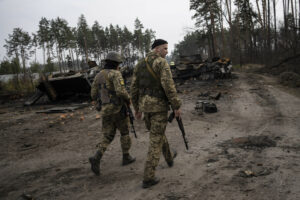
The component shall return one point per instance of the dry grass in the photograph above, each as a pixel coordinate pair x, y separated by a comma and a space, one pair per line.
16, 88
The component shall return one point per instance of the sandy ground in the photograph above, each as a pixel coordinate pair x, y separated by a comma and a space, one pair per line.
45, 156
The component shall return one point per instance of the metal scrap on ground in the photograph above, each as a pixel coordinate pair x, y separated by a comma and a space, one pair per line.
63, 109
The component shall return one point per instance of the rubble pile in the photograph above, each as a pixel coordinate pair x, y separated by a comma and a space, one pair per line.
194, 67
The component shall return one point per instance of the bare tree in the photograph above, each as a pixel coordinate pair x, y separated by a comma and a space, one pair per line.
275, 26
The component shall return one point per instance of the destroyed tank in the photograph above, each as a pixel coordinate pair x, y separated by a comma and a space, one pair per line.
65, 85
194, 67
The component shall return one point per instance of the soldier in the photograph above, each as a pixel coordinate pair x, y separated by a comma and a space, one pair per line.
152, 90
109, 85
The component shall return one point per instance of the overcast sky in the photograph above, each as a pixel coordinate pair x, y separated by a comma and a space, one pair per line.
170, 19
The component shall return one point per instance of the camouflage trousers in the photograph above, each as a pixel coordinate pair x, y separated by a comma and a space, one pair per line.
110, 124
156, 123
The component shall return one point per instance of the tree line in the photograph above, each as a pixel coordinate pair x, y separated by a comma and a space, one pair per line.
247, 31
72, 47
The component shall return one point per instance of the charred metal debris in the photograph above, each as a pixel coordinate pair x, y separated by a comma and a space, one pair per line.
70, 85
194, 67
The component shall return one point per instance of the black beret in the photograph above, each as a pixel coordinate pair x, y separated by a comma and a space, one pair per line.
158, 42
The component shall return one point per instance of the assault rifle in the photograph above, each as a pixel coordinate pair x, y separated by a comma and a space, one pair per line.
131, 118
180, 124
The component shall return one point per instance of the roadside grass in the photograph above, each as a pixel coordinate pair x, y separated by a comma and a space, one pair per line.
16, 89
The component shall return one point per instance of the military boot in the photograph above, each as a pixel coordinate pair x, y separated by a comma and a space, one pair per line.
127, 159
149, 183
95, 163
171, 163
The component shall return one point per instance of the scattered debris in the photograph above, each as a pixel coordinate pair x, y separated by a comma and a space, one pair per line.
209, 96
204, 106
246, 173
63, 109
211, 160
33, 99
259, 171
205, 94
215, 96
199, 107
28, 146
209, 107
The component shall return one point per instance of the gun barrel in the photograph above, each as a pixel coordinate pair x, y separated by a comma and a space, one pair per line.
133, 129
186, 143
131, 118
181, 127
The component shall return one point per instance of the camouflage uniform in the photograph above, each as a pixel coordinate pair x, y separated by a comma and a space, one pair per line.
113, 114
152, 96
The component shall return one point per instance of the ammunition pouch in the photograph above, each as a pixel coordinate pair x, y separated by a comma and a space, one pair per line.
109, 96
105, 96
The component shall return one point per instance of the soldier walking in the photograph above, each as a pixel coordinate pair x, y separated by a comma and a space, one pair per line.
152, 91
109, 86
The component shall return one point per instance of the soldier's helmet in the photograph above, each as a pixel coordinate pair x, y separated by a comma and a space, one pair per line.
114, 56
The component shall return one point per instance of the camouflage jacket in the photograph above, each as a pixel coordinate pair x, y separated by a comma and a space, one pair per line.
149, 103
114, 83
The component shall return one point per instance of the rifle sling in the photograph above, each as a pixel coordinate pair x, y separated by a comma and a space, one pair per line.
151, 70
154, 75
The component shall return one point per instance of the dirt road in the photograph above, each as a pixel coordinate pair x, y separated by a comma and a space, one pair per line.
249, 149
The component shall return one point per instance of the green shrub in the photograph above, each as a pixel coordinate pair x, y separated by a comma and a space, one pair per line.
21, 85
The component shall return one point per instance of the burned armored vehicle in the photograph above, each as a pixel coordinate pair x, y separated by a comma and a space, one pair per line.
194, 67
69, 85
